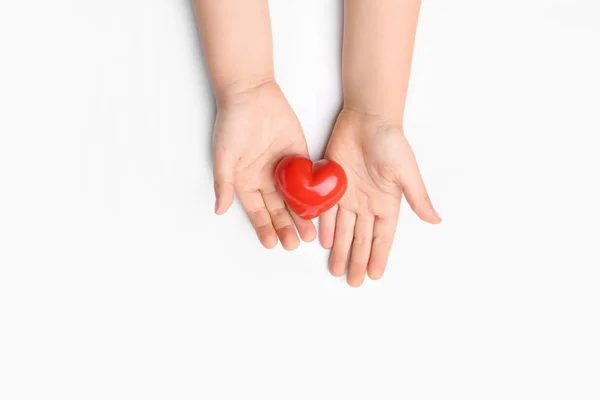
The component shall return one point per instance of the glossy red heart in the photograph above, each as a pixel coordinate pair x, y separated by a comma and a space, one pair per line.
310, 189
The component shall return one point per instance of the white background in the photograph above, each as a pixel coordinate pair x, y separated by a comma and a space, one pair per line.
118, 282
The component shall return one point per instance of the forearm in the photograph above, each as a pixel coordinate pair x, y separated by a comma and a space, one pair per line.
237, 44
377, 55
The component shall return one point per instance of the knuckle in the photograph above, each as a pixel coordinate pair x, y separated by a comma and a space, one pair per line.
279, 214
361, 240
425, 199
224, 188
218, 184
258, 218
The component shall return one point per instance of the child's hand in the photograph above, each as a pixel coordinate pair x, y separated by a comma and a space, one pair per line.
255, 125
253, 131
381, 167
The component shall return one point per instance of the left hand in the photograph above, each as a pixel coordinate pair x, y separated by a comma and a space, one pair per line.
381, 167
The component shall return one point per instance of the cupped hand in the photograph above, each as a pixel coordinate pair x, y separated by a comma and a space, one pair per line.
381, 168
254, 129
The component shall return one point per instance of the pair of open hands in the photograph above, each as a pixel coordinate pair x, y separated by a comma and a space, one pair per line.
255, 128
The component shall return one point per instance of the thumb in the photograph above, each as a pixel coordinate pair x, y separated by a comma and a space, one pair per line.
224, 178
414, 190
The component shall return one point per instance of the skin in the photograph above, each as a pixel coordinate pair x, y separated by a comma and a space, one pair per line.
368, 139
255, 126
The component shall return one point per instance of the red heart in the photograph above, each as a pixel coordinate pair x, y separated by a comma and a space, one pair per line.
310, 189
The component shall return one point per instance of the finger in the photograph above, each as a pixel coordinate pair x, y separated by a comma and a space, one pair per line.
344, 232
224, 178
327, 227
361, 250
306, 228
414, 190
254, 206
281, 219
383, 237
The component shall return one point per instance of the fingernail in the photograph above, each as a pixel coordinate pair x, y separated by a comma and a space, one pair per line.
437, 215
216, 205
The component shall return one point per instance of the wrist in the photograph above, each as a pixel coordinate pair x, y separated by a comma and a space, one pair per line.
380, 95
392, 111
236, 90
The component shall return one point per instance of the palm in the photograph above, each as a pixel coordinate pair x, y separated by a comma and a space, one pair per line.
251, 135
370, 192
381, 167
257, 142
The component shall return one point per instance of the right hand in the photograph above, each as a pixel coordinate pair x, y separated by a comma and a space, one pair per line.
254, 129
